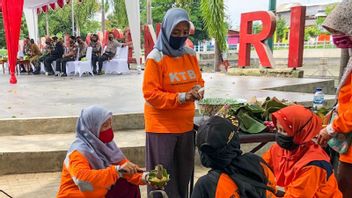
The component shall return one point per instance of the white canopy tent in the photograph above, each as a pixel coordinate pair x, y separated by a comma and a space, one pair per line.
133, 14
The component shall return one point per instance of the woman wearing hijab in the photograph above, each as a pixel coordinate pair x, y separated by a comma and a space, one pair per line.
339, 23
172, 82
300, 165
232, 173
94, 166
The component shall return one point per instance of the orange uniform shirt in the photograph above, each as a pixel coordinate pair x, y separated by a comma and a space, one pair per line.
343, 123
100, 180
227, 187
310, 182
165, 77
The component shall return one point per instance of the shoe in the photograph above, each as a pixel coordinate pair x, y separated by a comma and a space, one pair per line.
58, 74
100, 73
95, 72
51, 73
63, 75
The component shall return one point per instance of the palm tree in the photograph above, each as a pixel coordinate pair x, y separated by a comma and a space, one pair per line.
213, 14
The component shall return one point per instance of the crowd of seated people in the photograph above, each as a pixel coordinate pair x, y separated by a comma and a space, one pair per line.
55, 50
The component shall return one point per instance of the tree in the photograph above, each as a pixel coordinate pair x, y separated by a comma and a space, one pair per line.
213, 13
60, 20
119, 17
311, 31
281, 27
2, 33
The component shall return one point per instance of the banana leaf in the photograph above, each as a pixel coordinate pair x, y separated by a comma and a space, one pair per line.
248, 123
270, 106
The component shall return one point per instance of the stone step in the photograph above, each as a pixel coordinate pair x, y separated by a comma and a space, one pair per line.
61, 125
45, 153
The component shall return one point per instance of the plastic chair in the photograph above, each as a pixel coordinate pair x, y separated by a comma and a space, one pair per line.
85, 66
118, 64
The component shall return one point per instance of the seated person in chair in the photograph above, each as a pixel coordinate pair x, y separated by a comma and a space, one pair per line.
109, 53
82, 47
95, 166
232, 174
96, 51
69, 56
46, 50
35, 54
300, 165
55, 54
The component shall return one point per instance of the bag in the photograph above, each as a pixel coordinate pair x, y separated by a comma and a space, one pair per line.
341, 142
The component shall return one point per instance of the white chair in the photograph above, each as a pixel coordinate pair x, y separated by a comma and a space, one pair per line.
85, 66
118, 64
42, 68
71, 65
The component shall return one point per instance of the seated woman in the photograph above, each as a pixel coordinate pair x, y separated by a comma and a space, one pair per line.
232, 173
94, 166
300, 165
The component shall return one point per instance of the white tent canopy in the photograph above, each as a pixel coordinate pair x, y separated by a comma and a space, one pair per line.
133, 14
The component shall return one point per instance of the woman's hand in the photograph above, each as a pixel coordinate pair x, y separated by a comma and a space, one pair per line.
323, 137
130, 168
196, 93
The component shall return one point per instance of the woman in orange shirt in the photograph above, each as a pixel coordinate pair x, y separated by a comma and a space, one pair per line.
94, 166
172, 82
232, 173
300, 165
339, 23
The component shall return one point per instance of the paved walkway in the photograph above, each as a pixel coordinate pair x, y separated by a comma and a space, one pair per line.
47, 96
46, 185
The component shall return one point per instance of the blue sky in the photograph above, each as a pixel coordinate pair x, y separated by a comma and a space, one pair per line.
234, 8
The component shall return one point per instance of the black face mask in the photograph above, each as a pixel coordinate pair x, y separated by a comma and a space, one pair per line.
285, 142
177, 42
111, 38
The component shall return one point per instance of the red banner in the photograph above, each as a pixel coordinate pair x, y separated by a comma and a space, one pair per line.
12, 13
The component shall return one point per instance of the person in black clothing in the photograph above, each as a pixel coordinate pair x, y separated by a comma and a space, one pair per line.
69, 56
96, 51
232, 173
54, 55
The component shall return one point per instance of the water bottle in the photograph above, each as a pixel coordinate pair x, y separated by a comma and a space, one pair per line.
139, 69
318, 99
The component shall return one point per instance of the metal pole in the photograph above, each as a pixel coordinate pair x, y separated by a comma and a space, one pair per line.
102, 16
47, 24
272, 7
149, 12
73, 18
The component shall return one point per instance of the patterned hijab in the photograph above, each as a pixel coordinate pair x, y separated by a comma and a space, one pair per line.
340, 19
301, 124
172, 17
99, 154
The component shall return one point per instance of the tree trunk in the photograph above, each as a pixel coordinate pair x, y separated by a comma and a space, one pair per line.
217, 57
149, 12
343, 61
103, 16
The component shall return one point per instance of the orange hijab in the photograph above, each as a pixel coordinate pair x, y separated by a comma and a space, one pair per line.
303, 125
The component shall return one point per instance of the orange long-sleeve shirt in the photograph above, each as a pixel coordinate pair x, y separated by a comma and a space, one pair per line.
310, 182
165, 77
219, 186
343, 123
93, 183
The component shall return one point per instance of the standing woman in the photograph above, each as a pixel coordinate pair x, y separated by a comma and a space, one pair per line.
339, 23
172, 82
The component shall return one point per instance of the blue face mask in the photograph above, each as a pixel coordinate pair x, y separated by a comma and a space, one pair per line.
177, 42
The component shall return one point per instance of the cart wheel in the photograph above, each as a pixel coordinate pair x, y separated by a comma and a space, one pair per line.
163, 193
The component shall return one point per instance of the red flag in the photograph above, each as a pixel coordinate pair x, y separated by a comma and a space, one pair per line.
0, 5
45, 9
39, 11
53, 5
61, 3
12, 13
